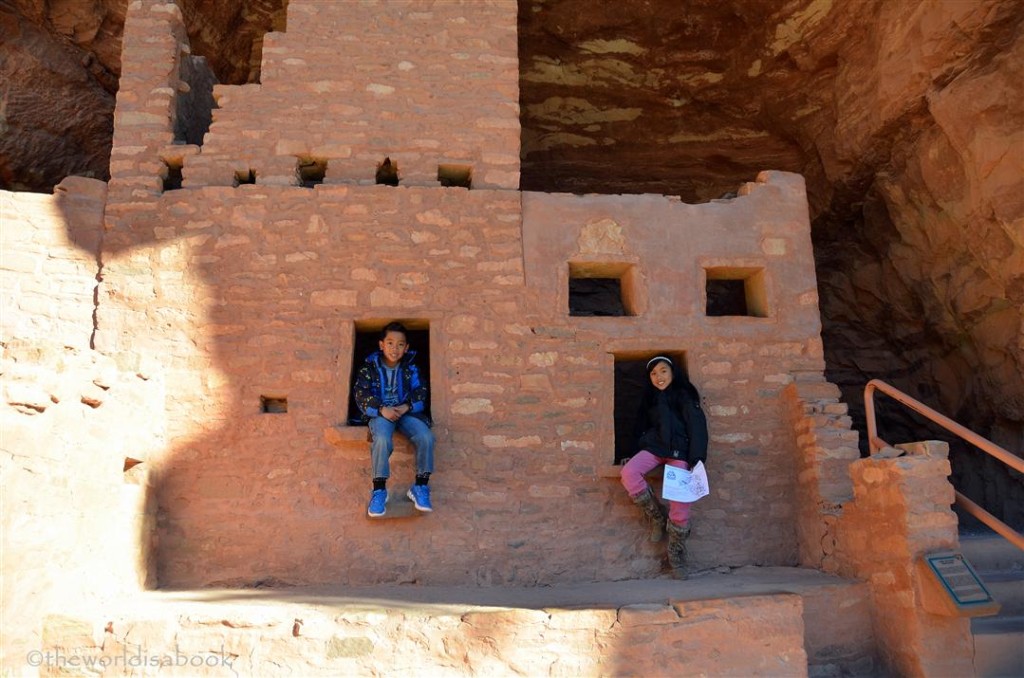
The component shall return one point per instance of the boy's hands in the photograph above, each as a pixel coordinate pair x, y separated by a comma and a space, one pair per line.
394, 413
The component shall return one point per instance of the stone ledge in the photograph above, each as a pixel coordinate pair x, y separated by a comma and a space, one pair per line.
627, 621
340, 435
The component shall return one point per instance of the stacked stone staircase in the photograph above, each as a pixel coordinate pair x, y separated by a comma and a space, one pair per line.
998, 640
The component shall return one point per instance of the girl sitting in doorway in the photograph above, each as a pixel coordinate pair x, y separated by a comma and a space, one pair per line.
670, 429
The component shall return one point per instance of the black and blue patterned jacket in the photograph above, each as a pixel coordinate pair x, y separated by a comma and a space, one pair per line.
368, 391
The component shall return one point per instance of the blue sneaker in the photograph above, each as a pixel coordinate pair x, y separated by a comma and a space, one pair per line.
420, 495
378, 503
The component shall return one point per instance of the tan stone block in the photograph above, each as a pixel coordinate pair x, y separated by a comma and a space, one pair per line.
20, 262
647, 614
471, 388
383, 296
582, 619
294, 257
61, 631
543, 359
468, 406
549, 491
506, 619
494, 441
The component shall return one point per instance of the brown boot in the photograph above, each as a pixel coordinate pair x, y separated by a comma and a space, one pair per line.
653, 512
677, 535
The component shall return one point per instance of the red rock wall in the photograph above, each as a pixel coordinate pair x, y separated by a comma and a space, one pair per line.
925, 290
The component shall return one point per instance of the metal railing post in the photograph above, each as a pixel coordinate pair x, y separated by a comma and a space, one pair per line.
984, 444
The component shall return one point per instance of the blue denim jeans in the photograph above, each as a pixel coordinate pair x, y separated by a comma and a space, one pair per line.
414, 429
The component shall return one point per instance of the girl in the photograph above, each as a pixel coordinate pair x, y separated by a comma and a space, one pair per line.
670, 429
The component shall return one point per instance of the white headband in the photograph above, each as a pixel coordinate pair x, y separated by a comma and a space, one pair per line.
656, 358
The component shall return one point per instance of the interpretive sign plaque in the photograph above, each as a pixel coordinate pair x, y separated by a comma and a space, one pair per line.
953, 588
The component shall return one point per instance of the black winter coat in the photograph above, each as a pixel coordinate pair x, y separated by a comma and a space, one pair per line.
686, 435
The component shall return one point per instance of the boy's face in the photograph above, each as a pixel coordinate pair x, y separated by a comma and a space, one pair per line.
393, 347
661, 376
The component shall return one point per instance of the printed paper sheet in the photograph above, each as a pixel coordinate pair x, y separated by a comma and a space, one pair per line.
683, 485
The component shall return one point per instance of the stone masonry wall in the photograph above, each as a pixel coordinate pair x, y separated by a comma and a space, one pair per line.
49, 249
258, 291
77, 520
900, 513
422, 83
827, 446
449, 640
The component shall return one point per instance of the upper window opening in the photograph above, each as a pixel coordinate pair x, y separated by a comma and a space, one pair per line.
245, 177
173, 178
387, 173
601, 289
460, 176
311, 171
736, 291
194, 102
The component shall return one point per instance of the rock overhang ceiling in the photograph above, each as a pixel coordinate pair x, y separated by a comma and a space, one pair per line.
904, 117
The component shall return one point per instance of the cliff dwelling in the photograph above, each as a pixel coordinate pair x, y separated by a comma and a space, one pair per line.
546, 195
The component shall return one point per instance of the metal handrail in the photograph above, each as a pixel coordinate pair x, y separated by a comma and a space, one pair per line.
984, 444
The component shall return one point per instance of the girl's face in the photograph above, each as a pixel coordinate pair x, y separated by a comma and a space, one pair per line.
661, 376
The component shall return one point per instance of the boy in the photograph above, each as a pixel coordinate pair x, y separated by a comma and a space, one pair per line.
389, 393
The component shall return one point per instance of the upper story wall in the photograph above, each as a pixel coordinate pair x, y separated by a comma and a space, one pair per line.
350, 83
673, 260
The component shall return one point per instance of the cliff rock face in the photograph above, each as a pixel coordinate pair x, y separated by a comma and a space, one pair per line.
905, 117
59, 65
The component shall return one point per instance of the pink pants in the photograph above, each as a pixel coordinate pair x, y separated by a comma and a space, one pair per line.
633, 480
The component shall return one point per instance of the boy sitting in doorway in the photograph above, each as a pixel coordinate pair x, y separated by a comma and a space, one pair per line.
389, 393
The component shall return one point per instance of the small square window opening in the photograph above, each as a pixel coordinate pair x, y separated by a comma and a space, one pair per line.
736, 291
601, 289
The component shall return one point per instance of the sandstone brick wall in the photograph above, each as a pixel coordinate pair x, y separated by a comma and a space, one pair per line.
423, 83
145, 114
258, 291
900, 513
49, 249
821, 429
77, 525
77, 522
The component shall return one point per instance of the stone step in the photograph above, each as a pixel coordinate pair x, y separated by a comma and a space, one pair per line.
998, 640
1008, 590
749, 621
998, 646
1000, 565
991, 553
